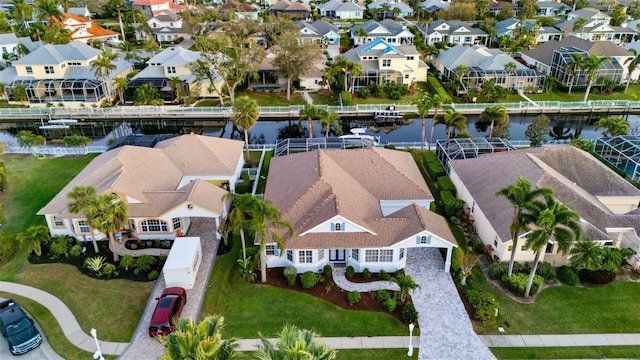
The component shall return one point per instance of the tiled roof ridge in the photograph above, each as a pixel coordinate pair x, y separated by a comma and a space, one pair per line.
319, 205
417, 186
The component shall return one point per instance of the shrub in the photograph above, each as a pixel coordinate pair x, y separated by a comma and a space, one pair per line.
484, 306
364, 93
166, 244
497, 270
291, 273
152, 275
350, 271
409, 314
133, 246
477, 246
435, 87
353, 297
127, 261
544, 269
383, 275
327, 271
568, 276
346, 98
451, 205
144, 263
109, 270
162, 257
309, 279
383, 295
518, 283
95, 263
75, 250
433, 165
9, 245
456, 259
59, 247
329, 286
445, 184
366, 274
390, 304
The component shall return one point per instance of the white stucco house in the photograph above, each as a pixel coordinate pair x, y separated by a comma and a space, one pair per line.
364, 208
164, 186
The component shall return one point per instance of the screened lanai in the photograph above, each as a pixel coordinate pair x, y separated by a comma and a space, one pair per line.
527, 80
561, 67
469, 148
621, 151
59, 90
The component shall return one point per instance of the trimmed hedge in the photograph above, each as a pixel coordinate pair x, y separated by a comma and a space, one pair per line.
432, 164
346, 98
450, 203
518, 283
445, 184
435, 87
567, 276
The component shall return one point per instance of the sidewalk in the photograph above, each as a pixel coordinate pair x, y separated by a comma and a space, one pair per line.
567, 340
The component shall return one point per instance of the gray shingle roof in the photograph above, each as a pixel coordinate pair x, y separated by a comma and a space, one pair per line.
320, 27
455, 27
404, 8
392, 27
56, 54
476, 56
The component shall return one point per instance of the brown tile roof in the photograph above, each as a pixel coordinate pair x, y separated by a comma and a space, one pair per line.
92, 28
237, 6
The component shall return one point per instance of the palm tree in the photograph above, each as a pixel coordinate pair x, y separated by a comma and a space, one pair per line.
424, 105
130, 53
311, 112
436, 104
241, 207
573, 67
586, 254
385, 8
48, 10
522, 197
591, 65
406, 284
119, 5
81, 197
103, 66
147, 95
328, 120
22, 12
361, 32
612, 126
509, 67
294, 343
355, 70
494, 114
460, 72
245, 115
452, 119
632, 64
552, 220
34, 237
178, 88
579, 24
55, 33
108, 214
121, 85
198, 340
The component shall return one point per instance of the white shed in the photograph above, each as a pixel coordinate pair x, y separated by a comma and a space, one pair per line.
183, 262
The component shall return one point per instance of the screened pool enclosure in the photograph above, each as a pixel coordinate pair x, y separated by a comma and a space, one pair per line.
58, 90
621, 151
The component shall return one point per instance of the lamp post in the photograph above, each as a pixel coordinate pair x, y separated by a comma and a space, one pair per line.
98, 354
410, 352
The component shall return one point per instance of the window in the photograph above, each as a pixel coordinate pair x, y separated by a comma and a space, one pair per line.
338, 227
305, 256
290, 255
63, 66
386, 255
154, 225
401, 253
371, 255
386, 62
495, 243
84, 227
523, 247
57, 222
4, 50
171, 69
74, 63
501, 80
510, 248
409, 57
270, 249
49, 70
406, 76
320, 255
425, 239
29, 69
549, 249
177, 223
467, 39
355, 254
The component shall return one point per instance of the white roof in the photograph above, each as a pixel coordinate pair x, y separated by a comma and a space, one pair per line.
56, 54
175, 56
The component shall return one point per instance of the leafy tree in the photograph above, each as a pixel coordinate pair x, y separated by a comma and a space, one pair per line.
460, 10
103, 66
147, 95
245, 114
606, 84
294, 343
292, 57
550, 83
494, 114
33, 238
612, 126
591, 64
198, 340
311, 112
467, 263
151, 46
460, 72
108, 214
523, 199
452, 119
22, 12
121, 85
328, 120
537, 131
80, 198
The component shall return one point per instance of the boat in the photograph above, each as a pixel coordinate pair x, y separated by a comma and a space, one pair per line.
359, 138
62, 121
54, 127
386, 115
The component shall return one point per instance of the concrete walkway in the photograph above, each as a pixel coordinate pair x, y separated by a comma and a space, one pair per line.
567, 340
340, 279
307, 97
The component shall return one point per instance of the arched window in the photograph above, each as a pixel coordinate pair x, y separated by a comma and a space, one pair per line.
154, 225
338, 227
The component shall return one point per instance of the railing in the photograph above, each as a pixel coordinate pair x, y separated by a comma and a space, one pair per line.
56, 150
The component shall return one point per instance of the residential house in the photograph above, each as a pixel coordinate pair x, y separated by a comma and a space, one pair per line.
382, 61
240, 9
391, 31
595, 28
166, 27
80, 11
60, 73
552, 8
453, 32
9, 43
84, 29
607, 204
172, 63
337, 9
431, 6
365, 208
154, 7
484, 64
270, 78
164, 186
496, 6
390, 8
294, 10
514, 28
319, 31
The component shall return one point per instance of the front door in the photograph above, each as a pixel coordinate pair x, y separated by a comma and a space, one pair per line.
336, 255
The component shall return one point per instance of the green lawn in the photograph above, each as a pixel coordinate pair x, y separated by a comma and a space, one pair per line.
590, 352
275, 98
407, 100
376, 354
252, 308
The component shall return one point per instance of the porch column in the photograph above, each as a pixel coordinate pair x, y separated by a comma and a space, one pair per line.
447, 263
217, 220
618, 240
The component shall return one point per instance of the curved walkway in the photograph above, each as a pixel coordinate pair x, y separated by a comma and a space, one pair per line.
340, 279
65, 318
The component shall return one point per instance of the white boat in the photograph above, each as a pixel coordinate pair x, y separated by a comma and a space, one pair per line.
387, 115
53, 127
62, 121
359, 138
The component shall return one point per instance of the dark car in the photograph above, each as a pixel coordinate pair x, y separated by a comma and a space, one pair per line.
168, 309
18, 328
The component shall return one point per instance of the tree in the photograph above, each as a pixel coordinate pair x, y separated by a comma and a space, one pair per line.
33, 238
80, 197
177, 86
328, 120
586, 254
292, 57
151, 46
108, 214
573, 67
523, 198
117, 6
550, 83
22, 12
452, 119
612, 126
460, 72
130, 52
509, 68
494, 114
245, 114
103, 66
121, 84
55, 33
436, 104
385, 9
579, 24
294, 343
460, 10
48, 10
467, 263
552, 220
606, 84
591, 65
198, 340
406, 284
76, 140
424, 105
354, 69
27, 139
632, 64
311, 112
537, 131
147, 95
241, 207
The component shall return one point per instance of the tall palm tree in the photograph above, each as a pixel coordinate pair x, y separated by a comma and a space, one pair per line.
121, 85
355, 70
436, 104
130, 53
108, 214
494, 114
81, 197
591, 65
509, 68
198, 340
522, 197
178, 88
632, 64
424, 105
586, 254
103, 66
22, 12
34, 237
48, 10
385, 9
241, 207
452, 119
245, 114
311, 112
552, 220
328, 120
119, 6
573, 67
294, 343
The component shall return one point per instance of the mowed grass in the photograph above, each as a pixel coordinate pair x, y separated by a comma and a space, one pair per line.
587, 352
250, 309
274, 98
376, 354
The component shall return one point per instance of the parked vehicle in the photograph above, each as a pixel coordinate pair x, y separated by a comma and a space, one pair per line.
18, 328
168, 309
